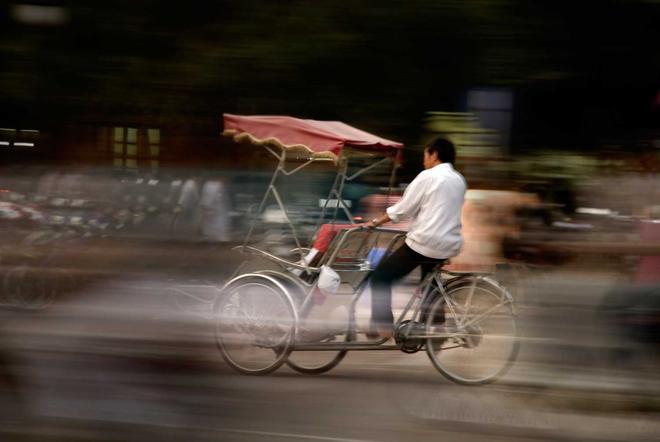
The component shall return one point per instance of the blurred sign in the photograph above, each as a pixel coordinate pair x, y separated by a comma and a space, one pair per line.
39, 15
493, 108
466, 132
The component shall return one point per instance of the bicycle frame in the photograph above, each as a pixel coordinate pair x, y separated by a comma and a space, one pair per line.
413, 309
421, 297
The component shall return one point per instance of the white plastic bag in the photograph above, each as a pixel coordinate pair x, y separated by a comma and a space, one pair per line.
329, 280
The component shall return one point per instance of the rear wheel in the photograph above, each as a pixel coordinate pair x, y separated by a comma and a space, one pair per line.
318, 362
477, 340
255, 324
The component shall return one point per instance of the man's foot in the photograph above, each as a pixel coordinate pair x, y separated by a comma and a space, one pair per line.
327, 329
380, 332
311, 334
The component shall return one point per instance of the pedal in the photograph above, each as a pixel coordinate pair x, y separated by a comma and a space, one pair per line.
407, 328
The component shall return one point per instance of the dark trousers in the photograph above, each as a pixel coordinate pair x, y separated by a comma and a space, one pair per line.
392, 268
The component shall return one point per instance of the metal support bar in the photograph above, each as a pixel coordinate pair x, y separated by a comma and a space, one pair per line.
288, 220
484, 314
332, 346
302, 166
342, 169
360, 289
276, 259
365, 169
390, 184
275, 154
338, 194
408, 306
281, 168
468, 302
271, 185
340, 202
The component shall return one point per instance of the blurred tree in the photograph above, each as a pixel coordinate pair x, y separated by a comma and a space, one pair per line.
379, 65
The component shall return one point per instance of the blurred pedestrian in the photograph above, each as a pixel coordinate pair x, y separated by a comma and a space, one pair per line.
186, 209
216, 210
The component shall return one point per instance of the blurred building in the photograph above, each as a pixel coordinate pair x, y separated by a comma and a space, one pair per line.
136, 84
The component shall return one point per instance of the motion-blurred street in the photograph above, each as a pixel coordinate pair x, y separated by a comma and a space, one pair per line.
142, 141
131, 358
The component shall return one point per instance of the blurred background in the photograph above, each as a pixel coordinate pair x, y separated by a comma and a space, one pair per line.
120, 202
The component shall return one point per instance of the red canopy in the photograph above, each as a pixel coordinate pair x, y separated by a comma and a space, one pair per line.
320, 138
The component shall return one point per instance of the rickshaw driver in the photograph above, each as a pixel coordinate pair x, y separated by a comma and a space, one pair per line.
434, 201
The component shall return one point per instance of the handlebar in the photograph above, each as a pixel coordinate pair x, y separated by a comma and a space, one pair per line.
375, 229
347, 233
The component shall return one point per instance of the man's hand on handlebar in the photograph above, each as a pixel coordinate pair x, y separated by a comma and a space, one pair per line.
377, 222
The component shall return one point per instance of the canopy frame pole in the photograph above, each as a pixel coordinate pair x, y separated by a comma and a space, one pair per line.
271, 186
365, 169
288, 220
343, 165
340, 179
338, 196
336, 191
338, 186
389, 189
272, 189
299, 168
275, 154
344, 177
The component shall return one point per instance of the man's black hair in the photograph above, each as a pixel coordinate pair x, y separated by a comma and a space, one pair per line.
443, 148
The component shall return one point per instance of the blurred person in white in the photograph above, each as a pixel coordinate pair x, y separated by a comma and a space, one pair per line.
187, 206
216, 210
47, 184
434, 202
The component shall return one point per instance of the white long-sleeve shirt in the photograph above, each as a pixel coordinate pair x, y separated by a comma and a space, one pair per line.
434, 201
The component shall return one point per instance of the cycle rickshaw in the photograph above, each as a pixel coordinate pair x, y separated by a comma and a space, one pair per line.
466, 322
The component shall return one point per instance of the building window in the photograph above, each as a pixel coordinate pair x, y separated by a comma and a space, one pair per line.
153, 138
136, 147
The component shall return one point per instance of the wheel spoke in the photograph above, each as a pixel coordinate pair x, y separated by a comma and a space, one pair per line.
468, 301
255, 324
481, 316
485, 340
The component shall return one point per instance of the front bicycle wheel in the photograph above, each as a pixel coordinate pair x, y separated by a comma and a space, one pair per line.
477, 332
255, 324
318, 362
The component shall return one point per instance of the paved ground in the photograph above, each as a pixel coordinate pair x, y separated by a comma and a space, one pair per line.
124, 361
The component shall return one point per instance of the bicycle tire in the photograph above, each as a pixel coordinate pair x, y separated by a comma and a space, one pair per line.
449, 355
263, 295
322, 367
297, 290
